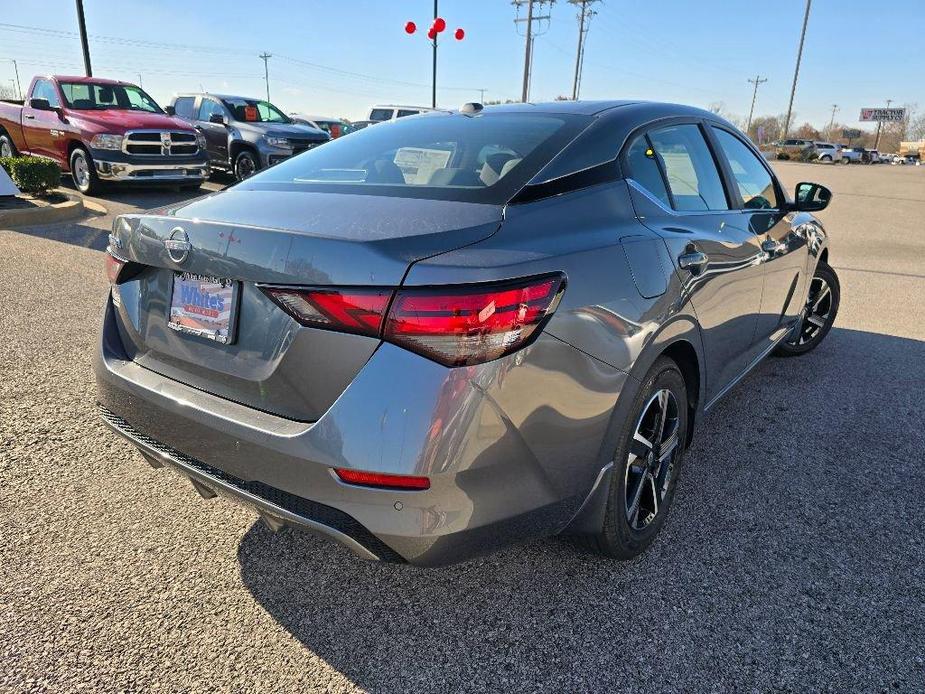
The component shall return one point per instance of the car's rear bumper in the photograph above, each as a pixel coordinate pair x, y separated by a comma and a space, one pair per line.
512, 447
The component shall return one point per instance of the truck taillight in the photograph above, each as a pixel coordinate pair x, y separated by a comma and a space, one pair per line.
114, 266
455, 325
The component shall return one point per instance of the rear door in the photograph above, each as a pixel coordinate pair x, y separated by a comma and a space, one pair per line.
784, 247
679, 193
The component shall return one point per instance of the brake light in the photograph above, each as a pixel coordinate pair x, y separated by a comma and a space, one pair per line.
347, 310
455, 325
384, 481
114, 266
471, 324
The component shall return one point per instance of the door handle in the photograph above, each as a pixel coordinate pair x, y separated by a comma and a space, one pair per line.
773, 247
29, 116
692, 260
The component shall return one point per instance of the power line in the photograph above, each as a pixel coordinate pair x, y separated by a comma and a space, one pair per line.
796, 72
266, 70
757, 81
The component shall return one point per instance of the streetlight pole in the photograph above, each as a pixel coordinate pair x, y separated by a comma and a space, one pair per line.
796, 72
82, 25
433, 86
527, 51
18, 85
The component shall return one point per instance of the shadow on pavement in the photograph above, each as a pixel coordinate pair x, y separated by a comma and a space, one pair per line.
74, 233
791, 561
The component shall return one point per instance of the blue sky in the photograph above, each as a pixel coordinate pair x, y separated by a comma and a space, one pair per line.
338, 58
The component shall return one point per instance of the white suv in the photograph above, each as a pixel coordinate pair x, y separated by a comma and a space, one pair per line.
380, 113
828, 152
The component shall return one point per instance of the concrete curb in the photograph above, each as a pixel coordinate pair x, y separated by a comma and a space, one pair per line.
73, 208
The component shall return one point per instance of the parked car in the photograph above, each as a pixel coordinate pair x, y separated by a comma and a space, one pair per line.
335, 127
795, 149
385, 112
855, 155
828, 152
102, 131
244, 135
873, 156
360, 124
432, 339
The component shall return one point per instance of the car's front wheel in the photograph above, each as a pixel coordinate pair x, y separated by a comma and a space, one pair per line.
818, 315
646, 464
245, 164
826, 158
83, 173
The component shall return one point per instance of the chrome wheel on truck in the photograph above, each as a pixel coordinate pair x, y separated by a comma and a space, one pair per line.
82, 172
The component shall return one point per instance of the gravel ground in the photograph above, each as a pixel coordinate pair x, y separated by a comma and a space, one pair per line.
793, 559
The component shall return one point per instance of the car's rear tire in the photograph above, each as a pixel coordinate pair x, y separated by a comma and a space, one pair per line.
83, 172
845, 160
646, 464
7, 148
826, 158
246, 164
821, 309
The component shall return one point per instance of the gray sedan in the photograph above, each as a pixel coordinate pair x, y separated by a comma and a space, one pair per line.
431, 339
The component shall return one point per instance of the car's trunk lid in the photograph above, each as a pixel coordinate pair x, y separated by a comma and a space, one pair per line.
300, 238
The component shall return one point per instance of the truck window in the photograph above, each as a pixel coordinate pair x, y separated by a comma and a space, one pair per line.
44, 89
208, 107
184, 107
380, 114
402, 112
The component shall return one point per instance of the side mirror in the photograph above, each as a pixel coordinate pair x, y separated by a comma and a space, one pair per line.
170, 110
218, 118
811, 197
40, 104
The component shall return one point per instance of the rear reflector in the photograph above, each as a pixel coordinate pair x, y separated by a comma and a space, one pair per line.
455, 325
470, 324
343, 309
383, 481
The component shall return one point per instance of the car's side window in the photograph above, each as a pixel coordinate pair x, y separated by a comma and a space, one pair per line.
46, 90
642, 167
208, 107
692, 176
402, 112
183, 107
752, 179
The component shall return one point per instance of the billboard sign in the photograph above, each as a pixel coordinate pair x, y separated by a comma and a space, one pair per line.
883, 115
850, 133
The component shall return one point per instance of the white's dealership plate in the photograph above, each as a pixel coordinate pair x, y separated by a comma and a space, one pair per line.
204, 306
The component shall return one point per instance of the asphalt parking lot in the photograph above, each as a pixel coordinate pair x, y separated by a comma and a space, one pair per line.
793, 560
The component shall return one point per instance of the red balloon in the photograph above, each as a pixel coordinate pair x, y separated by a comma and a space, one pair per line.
439, 24
432, 33
460, 34
411, 27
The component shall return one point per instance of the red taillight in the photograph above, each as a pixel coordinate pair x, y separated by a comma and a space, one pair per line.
470, 324
384, 481
455, 325
348, 310
113, 267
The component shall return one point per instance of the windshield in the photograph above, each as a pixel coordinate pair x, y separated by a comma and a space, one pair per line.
486, 158
93, 96
255, 111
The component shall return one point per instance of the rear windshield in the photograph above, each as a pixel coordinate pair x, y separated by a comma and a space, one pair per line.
485, 158
90, 96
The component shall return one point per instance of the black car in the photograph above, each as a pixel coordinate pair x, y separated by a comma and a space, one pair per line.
244, 135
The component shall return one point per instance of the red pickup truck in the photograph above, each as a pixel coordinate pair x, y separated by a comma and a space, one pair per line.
101, 131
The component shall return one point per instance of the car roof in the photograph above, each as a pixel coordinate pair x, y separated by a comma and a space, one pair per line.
82, 79
419, 108
219, 96
307, 116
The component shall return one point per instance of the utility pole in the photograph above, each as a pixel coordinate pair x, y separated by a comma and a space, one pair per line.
266, 70
139, 81
758, 80
528, 44
18, 85
880, 125
82, 25
828, 132
584, 18
796, 72
482, 95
